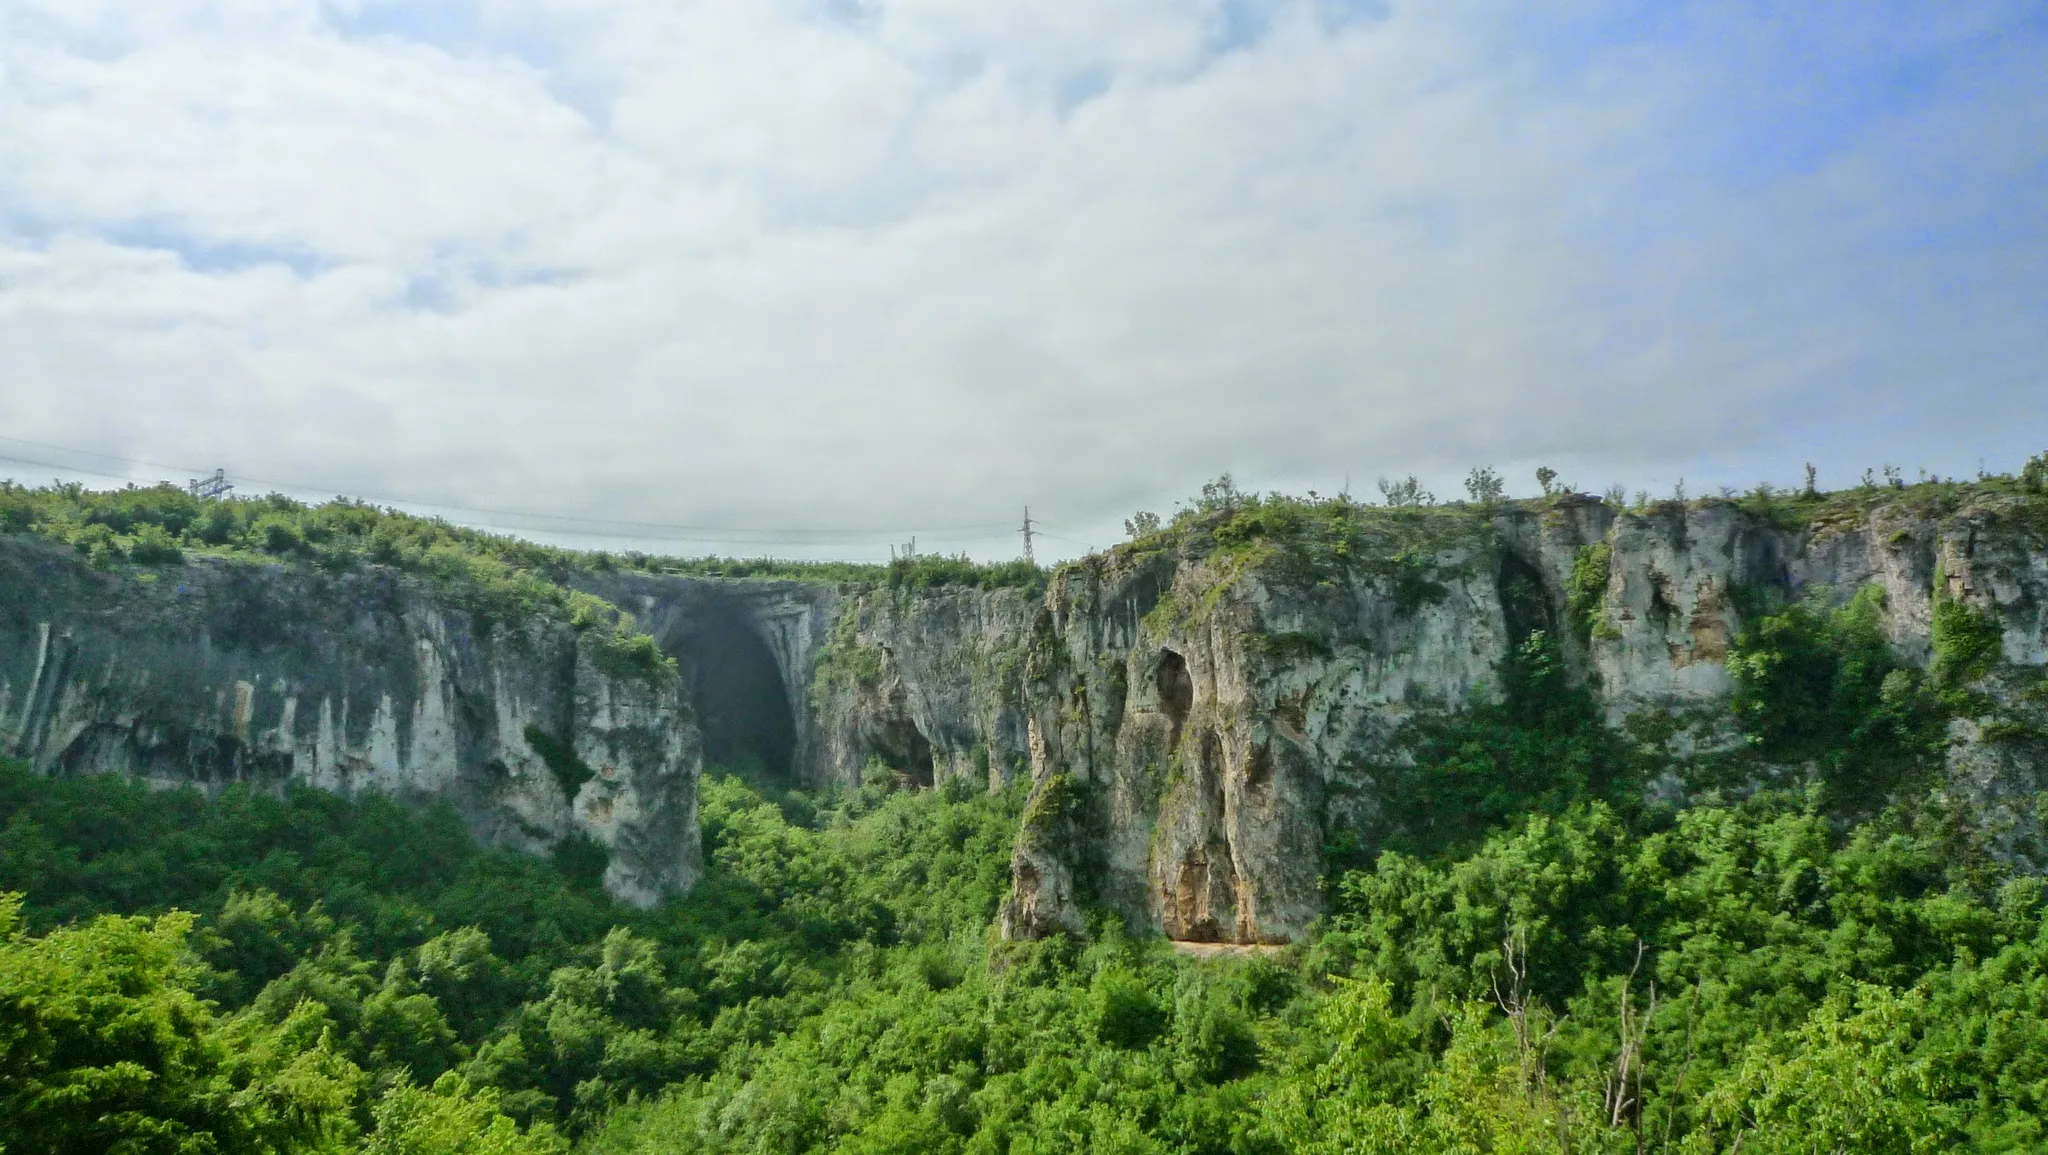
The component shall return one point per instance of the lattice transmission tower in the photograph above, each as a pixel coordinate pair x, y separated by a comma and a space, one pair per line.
210, 487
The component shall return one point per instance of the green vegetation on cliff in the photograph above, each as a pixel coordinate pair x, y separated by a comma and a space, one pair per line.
1539, 747
1316, 538
498, 580
160, 524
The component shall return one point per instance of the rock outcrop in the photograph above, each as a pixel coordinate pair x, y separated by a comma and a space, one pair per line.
1198, 721
365, 680
1197, 715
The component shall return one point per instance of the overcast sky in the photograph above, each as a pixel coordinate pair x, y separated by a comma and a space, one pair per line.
899, 266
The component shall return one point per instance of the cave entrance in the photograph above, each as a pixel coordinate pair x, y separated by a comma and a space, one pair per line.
1176, 692
904, 749
742, 707
1524, 603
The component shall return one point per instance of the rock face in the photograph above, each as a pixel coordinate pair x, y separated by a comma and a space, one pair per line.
1196, 717
1197, 722
217, 672
928, 685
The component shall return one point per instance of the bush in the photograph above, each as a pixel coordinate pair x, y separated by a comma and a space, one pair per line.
1967, 641
220, 524
1822, 687
1586, 592
559, 755
1542, 746
581, 859
17, 511
155, 546
1127, 1016
2034, 474
278, 534
623, 653
99, 545
1216, 1041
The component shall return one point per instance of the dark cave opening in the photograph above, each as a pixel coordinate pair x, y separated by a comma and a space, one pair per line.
1176, 692
1524, 603
904, 749
742, 707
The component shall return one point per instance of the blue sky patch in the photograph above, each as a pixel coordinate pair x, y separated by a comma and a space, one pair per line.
1239, 24
209, 255
1344, 13
457, 27
1081, 86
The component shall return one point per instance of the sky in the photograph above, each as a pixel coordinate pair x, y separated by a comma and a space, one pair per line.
812, 277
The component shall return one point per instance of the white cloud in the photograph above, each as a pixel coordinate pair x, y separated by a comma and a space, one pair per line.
918, 262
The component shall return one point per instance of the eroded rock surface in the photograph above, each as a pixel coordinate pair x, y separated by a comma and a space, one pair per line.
216, 672
1196, 719
1197, 722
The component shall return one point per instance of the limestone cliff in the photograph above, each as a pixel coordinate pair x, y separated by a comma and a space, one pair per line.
1198, 716
221, 671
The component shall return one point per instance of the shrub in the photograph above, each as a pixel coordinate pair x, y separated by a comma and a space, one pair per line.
1822, 687
99, 545
17, 511
1216, 1042
1405, 493
1967, 641
570, 771
1586, 592
1127, 1016
279, 534
2034, 474
220, 524
1541, 747
155, 546
581, 859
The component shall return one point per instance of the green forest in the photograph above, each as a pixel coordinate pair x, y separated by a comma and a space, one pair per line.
1584, 972
1549, 954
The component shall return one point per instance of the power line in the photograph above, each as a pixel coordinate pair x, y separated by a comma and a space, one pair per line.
735, 534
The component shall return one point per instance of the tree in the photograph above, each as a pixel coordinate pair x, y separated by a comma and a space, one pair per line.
1407, 492
1484, 486
2034, 474
1220, 494
452, 1118
1126, 1014
104, 1046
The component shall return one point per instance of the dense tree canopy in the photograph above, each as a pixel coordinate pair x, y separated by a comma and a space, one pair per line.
1574, 981
1544, 954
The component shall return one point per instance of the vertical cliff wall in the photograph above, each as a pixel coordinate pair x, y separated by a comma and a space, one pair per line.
232, 671
927, 685
1198, 715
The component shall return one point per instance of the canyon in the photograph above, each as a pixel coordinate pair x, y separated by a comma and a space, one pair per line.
1195, 715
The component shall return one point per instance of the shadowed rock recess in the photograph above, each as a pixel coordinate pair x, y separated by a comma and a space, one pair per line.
1198, 714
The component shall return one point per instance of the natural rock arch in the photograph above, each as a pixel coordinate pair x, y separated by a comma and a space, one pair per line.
739, 695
